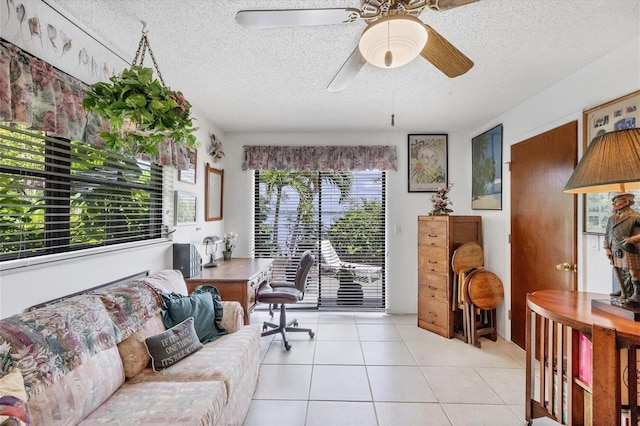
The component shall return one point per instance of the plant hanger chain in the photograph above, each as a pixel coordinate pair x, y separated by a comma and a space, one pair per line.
143, 46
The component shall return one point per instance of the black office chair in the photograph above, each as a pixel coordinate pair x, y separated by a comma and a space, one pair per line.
283, 293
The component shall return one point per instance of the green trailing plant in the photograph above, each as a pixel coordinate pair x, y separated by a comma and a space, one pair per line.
142, 112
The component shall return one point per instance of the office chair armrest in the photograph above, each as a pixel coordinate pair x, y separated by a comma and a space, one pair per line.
232, 316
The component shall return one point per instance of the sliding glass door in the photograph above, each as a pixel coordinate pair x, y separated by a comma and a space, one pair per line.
340, 217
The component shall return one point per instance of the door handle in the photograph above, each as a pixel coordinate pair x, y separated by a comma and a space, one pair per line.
567, 267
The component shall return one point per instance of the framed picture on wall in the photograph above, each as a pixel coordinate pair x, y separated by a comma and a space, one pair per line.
428, 162
486, 170
618, 114
189, 175
185, 208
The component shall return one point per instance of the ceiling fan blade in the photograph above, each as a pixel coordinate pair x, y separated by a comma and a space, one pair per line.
440, 5
444, 55
296, 17
347, 72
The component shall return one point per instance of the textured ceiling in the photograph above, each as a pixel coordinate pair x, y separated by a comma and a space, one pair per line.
264, 80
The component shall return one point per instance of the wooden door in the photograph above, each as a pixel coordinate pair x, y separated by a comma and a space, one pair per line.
543, 218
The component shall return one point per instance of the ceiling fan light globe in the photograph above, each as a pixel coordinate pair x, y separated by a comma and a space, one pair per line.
403, 35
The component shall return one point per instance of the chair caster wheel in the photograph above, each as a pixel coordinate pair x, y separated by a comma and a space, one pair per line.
264, 328
287, 346
311, 334
295, 323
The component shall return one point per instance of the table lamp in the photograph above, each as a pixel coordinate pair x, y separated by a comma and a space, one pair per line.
212, 240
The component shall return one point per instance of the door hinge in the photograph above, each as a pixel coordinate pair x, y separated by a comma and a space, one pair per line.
509, 238
509, 314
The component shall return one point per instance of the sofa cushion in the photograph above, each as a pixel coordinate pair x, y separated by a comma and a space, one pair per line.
13, 399
167, 281
162, 403
225, 359
203, 304
48, 342
133, 351
73, 396
172, 345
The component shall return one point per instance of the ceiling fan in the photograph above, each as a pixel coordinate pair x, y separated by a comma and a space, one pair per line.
393, 37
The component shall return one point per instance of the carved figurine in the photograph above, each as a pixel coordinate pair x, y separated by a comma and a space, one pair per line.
621, 245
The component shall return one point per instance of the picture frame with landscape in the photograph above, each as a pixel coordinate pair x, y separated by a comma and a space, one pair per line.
617, 114
428, 162
486, 170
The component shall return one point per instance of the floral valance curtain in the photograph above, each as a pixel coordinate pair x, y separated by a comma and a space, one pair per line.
34, 93
323, 158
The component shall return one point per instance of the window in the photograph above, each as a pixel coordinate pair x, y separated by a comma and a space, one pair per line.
340, 217
58, 196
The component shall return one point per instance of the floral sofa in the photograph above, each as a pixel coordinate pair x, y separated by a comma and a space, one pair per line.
84, 360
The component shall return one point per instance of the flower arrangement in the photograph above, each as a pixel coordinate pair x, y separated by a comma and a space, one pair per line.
441, 201
142, 112
230, 241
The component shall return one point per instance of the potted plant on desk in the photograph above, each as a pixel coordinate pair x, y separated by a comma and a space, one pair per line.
229, 244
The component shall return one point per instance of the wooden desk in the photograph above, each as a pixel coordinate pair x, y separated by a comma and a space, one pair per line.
554, 318
236, 279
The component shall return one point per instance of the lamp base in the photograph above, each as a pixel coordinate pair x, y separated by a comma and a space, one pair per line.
630, 311
212, 263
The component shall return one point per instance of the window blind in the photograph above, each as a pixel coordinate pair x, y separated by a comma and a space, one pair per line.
58, 195
340, 217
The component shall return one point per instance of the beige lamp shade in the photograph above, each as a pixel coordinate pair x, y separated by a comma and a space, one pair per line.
610, 164
403, 35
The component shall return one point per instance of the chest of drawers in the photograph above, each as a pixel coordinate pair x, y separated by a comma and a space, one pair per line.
438, 237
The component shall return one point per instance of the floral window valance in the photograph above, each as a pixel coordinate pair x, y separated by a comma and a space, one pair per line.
323, 158
34, 93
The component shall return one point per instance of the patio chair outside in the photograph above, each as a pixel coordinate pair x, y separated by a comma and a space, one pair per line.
330, 261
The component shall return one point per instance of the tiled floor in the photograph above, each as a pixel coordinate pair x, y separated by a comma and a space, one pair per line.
376, 369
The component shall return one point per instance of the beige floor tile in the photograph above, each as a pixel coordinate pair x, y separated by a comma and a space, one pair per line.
387, 353
284, 382
404, 318
372, 318
475, 414
508, 383
333, 413
301, 352
335, 331
378, 333
339, 382
334, 352
413, 333
410, 414
460, 385
337, 317
491, 354
276, 413
399, 384
437, 353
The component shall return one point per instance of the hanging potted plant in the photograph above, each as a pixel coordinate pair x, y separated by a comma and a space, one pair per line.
141, 110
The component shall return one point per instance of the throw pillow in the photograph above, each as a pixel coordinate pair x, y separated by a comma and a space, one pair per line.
13, 399
204, 305
170, 346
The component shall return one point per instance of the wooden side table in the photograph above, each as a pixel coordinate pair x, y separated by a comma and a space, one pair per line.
236, 279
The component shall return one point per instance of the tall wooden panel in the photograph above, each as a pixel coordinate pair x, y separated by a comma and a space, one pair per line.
438, 237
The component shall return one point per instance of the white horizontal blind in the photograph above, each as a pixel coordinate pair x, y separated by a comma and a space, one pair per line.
342, 211
58, 196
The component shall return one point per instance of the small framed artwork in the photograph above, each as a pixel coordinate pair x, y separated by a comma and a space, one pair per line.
618, 114
428, 162
185, 208
189, 175
486, 170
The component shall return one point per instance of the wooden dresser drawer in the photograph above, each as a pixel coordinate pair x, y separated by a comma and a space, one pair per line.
433, 284
433, 315
435, 259
432, 233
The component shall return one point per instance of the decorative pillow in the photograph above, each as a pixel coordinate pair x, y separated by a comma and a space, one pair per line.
204, 305
171, 346
133, 351
13, 399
